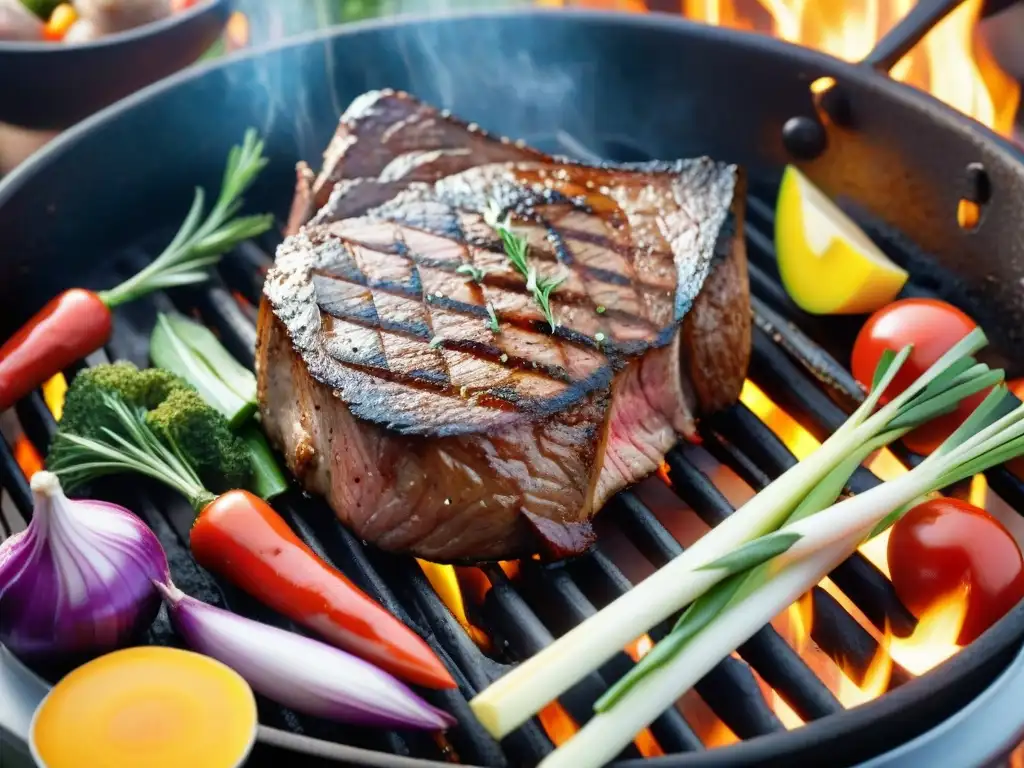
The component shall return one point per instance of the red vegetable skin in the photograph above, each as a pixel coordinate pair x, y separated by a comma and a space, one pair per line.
941, 546
933, 327
239, 536
68, 328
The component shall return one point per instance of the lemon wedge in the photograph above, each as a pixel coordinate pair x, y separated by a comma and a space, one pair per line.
828, 265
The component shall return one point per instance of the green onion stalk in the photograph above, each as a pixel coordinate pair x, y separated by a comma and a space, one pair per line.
194, 353
760, 579
514, 698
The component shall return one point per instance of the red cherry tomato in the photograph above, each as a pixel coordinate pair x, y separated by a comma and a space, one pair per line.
933, 327
944, 545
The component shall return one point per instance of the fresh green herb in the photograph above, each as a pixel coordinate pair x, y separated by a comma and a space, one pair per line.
493, 319
600, 309
199, 245
516, 250
474, 272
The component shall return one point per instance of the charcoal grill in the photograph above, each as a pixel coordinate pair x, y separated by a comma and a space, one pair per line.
92, 207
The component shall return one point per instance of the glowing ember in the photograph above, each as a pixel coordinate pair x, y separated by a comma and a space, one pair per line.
639, 647
950, 63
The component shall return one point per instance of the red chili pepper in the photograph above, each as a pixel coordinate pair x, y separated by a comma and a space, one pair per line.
239, 536
68, 328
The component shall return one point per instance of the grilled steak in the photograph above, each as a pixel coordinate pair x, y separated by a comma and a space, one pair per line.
389, 393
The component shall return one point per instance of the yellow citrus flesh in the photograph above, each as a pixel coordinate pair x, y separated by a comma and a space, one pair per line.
828, 265
149, 707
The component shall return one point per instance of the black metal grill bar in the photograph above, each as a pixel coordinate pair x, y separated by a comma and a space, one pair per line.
834, 378
671, 726
807, 704
13, 481
845, 641
561, 605
516, 624
748, 714
219, 309
773, 659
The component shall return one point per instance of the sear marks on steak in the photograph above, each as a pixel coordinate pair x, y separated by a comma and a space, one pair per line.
388, 392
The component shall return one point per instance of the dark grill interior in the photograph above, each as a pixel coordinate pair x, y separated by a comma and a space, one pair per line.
794, 363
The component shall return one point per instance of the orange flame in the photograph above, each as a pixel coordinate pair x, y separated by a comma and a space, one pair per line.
27, 457
950, 63
446, 584
935, 638
557, 723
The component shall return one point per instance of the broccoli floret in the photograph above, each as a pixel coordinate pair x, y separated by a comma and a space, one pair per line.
219, 457
166, 403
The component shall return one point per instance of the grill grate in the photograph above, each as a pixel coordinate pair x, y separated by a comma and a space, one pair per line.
795, 366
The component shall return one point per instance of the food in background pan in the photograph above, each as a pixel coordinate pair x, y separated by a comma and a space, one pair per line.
82, 20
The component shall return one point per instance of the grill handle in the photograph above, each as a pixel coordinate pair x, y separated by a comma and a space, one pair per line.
980, 735
921, 20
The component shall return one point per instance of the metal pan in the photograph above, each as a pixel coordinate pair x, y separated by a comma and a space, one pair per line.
620, 87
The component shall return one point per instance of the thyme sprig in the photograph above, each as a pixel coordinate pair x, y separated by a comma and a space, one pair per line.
516, 250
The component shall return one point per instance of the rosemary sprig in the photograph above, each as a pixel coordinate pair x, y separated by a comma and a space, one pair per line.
493, 319
199, 244
515, 249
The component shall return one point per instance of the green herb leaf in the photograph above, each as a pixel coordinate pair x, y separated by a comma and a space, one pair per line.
493, 321
200, 244
946, 402
995, 406
884, 363
474, 272
754, 553
516, 250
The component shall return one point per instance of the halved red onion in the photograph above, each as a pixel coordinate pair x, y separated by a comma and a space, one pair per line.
299, 672
78, 581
